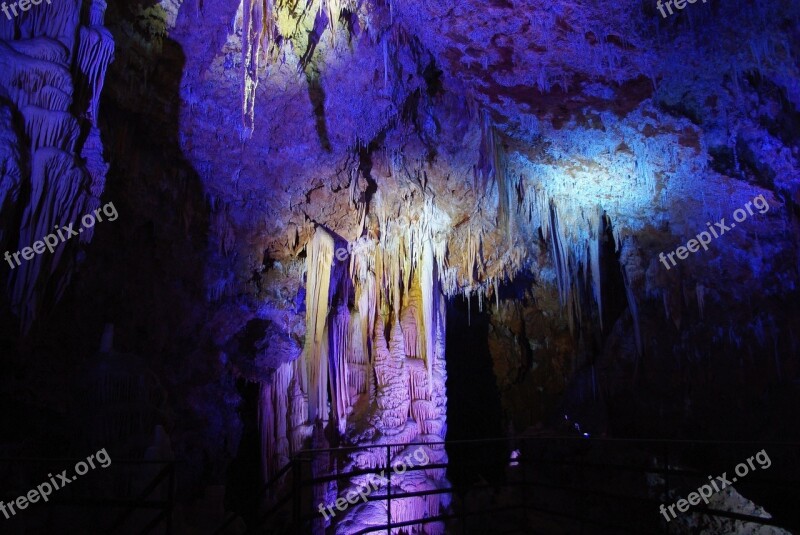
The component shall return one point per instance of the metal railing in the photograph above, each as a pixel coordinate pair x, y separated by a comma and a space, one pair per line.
592, 485
127, 496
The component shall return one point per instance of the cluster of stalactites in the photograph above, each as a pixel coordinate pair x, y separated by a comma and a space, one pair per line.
55, 88
261, 28
395, 276
573, 235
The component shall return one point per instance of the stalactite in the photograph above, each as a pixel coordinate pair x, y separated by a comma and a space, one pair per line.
11, 172
363, 275
412, 338
58, 195
281, 382
427, 285
97, 12
42, 48
631, 278
50, 98
47, 128
319, 259
339, 348
357, 353
357, 378
256, 26
23, 76
560, 253
334, 12
594, 262
700, 292
382, 355
57, 20
95, 54
35, 76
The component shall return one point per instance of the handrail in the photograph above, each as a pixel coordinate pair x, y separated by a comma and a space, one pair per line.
659, 449
169, 469
258, 497
129, 505
762, 443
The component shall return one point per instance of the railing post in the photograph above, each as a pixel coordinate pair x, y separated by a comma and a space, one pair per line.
389, 486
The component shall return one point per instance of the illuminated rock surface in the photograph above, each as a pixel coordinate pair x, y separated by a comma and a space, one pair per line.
309, 191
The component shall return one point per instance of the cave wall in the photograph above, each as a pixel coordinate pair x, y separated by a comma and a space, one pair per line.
302, 188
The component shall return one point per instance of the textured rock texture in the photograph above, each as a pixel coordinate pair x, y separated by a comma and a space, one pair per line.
53, 61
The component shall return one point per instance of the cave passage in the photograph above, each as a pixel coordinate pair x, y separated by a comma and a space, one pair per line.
473, 406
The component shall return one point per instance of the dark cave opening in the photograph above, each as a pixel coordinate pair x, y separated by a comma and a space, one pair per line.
473, 405
612, 285
244, 481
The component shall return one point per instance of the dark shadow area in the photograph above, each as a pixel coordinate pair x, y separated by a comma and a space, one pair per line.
244, 477
144, 274
473, 406
317, 96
